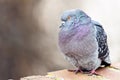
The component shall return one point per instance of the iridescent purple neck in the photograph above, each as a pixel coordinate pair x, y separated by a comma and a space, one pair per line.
77, 33
82, 32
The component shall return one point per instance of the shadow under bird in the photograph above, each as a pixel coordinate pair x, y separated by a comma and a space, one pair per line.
83, 41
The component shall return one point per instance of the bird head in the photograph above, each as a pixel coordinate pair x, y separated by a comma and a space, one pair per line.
76, 16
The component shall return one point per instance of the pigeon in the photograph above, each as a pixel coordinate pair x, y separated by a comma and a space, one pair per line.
83, 42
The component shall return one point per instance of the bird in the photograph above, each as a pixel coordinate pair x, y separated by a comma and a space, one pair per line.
83, 42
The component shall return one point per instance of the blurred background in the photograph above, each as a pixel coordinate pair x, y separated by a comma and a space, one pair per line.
29, 33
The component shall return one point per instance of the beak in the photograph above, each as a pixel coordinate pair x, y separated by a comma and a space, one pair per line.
62, 25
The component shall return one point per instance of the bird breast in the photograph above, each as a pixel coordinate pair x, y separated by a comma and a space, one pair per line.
80, 41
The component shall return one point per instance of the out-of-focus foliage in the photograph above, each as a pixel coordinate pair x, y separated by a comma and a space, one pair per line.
29, 33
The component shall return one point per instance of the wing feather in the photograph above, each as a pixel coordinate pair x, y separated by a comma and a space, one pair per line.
102, 44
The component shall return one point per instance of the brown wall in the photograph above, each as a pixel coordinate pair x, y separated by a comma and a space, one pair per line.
18, 38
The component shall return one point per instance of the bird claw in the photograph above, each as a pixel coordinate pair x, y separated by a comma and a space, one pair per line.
93, 72
71, 70
76, 71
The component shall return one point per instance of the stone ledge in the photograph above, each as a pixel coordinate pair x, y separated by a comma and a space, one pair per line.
108, 73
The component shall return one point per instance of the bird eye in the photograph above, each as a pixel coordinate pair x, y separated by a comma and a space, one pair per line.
68, 17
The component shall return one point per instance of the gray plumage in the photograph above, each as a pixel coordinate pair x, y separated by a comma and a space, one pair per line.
83, 41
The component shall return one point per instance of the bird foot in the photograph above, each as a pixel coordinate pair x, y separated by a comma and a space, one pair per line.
93, 72
76, 71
